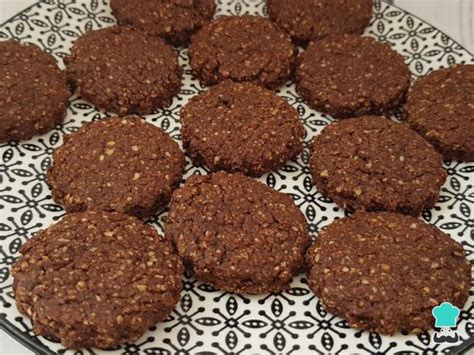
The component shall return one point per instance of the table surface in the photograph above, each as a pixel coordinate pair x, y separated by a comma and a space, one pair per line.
454, 17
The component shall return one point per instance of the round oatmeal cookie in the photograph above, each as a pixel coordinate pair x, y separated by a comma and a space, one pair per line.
124, 71
174, 20
348, 76
242, 48
116, 164
440, 107
384, 272
33, 91
96, 279
237, 234
241, 127
307, 20
374, 164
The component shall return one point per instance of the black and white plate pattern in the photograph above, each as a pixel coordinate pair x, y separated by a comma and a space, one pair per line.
208, 320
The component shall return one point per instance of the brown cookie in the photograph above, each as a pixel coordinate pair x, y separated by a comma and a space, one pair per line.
384, 272
124, 71
174, 20
349, 76
33, 92
96, 279
241, 127
374, 164
440, 107
237, 234
245, 48
116, 164
307, 20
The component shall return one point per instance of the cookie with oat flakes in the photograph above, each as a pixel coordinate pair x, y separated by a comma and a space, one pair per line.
440, 107
308, 20
174, 20
242, 48
121, 164
237, 234
124, 71
384, 272
348, 75
241, 127
33, 91
97, 279
374, 164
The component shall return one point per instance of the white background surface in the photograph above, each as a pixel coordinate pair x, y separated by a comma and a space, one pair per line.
454, 17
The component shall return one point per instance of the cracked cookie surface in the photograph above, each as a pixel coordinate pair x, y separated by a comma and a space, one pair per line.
348, 75
440, 107
242, 48
121, 164
374, 164
384, 272
307, 20
97, 279
33, 91
241, 127
237, 234
174, 20
124, 71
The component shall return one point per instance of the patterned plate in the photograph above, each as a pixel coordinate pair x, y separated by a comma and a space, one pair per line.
206, 319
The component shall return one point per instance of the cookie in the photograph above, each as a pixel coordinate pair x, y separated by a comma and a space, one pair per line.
33, 91
374, 164
308, 20
440, 107
349, 76
237, 234
174, 20
241, 127
96, 280
124, 71
242, 48
116, 164
384, 272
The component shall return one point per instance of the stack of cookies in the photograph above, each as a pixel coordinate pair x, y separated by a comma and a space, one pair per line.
101, 276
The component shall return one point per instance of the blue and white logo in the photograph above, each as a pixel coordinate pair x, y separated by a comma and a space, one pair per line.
446, 317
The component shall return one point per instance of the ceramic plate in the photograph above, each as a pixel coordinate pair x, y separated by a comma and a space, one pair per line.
206, 319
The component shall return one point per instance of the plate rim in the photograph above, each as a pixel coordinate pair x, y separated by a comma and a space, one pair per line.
34, 344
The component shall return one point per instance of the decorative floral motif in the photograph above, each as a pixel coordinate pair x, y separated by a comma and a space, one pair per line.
209, 320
